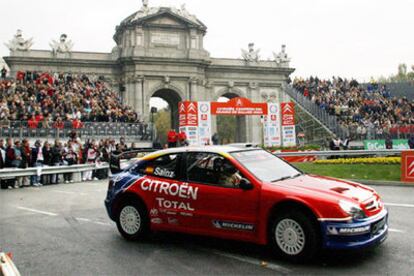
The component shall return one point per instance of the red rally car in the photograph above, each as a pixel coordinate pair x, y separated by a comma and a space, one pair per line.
244, 194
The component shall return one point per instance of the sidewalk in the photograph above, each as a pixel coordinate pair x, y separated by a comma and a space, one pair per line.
383, 183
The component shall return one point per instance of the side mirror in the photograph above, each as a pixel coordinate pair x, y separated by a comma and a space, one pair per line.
245, 184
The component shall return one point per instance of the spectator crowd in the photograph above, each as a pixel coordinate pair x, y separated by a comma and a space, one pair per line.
20, 154
363, 111
46, 100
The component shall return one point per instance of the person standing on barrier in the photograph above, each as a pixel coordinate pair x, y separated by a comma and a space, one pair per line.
37, 162
56, 159
172, 138
69, 158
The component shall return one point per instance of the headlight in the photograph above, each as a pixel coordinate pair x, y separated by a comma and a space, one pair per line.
352, 209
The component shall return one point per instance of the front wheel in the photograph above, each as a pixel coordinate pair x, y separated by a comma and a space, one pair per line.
295, 236
132, 221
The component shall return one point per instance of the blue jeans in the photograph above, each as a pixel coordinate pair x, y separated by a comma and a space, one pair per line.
36, 178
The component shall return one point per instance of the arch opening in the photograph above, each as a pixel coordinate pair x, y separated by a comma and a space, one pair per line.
166, 116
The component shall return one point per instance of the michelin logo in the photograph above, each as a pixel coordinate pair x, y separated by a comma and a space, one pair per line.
233, 225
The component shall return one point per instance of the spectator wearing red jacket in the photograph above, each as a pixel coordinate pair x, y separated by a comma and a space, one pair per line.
32, 123
77, 124
172, 139
59, 124
182, 139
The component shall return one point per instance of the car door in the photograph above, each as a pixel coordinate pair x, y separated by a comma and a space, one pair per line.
166, 194
221, 207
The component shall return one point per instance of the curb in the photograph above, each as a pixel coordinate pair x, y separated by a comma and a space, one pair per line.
383, 183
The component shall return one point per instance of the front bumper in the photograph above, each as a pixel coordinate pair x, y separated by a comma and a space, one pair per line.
356, 234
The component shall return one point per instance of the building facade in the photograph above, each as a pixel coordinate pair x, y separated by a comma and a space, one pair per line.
160, 52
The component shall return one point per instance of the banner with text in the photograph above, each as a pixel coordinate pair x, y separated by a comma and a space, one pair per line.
272, 137
188, 120
238, 106
288, 125
204, 123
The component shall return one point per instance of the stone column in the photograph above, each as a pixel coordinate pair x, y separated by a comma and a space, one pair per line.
254, 125
138, 98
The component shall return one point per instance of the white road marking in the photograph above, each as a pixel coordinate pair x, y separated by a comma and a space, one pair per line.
252, 261
69, 193
37, 211
93, 221
400, 205
395, 230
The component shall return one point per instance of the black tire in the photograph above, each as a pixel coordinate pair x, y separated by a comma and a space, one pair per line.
127, 226
299, 236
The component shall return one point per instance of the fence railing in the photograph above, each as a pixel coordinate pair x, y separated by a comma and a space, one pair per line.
20, 129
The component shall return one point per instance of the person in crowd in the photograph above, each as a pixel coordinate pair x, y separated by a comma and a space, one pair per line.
69, 158
47, 161
26, 159
335, 143
182, 139
91, 155
172, 138
345, 143
9, 160
215, 139
122, 145
388, 143
56, 159
3, 183
37, 161
17, 162
411, 141
3, 72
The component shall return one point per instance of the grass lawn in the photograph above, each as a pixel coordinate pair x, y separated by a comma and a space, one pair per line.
354, 171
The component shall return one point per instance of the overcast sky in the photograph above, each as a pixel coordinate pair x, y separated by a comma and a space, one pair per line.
350, 38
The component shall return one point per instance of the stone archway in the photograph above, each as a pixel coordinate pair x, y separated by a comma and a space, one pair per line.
172, 98
240, 133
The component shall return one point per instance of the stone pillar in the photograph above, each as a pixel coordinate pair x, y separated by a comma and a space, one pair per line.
139, 98
254, 125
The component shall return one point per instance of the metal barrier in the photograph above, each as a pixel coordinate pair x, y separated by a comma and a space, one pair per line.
20, 129
13, 172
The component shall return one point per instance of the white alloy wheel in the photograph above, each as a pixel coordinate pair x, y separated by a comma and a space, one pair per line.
290, 237
130, 220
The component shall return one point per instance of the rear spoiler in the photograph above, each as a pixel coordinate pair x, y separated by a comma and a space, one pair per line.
120, 160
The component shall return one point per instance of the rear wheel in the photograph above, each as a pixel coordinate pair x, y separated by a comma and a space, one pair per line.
132, 220
294, 235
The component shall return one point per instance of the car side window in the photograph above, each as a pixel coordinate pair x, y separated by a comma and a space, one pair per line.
166, 166
213, 169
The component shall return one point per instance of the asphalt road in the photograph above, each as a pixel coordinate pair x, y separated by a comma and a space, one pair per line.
64, 230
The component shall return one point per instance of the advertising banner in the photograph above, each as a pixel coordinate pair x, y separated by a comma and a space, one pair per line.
380, 144
272, 137
204, 123
288, 125
407, 166
188, 120
238, 106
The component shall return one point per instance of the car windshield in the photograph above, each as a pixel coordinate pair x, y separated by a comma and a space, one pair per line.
265, 166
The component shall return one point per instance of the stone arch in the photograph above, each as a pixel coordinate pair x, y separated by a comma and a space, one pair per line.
172, 96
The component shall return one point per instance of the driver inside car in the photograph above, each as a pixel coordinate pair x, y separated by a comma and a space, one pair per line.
228, 175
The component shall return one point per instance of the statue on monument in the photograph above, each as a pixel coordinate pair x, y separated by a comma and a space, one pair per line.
63, 46
251, 55
282, 58
18, 43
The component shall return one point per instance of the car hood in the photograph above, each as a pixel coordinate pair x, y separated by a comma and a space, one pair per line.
331, 186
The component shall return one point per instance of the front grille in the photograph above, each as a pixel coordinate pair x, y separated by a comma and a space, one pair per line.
378, 226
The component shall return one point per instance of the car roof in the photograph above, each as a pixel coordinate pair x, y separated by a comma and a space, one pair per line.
212, 149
